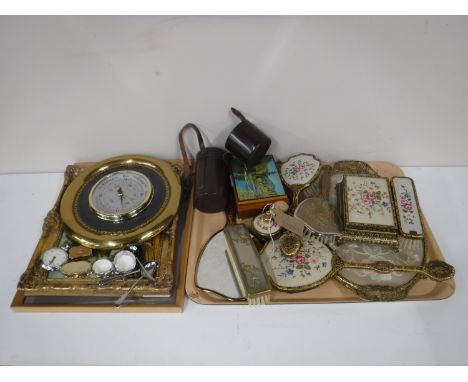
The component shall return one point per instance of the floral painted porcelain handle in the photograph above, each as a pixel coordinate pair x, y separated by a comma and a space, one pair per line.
298, 172
408, 211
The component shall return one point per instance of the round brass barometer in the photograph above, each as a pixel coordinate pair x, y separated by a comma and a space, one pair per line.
120, 201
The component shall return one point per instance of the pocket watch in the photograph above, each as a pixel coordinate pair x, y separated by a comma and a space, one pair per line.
102, 267
53, 258
124, 261
120, 201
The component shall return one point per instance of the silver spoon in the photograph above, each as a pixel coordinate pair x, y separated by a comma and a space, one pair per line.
145, 273
122, 298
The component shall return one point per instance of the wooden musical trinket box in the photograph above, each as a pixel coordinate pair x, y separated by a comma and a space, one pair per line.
255, 186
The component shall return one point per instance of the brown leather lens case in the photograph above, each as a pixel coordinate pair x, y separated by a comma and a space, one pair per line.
211, 180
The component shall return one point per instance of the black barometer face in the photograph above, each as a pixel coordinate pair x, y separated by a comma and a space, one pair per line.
120, 201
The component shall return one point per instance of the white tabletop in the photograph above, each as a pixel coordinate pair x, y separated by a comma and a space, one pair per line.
402, 333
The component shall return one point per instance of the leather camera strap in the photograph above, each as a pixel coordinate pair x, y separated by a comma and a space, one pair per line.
187, 167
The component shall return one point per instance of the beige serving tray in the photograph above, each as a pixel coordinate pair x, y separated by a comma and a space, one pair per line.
205, 225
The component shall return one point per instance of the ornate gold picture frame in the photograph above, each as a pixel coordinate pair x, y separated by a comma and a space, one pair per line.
38, 292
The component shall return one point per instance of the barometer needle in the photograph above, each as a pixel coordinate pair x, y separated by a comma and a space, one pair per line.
121, 195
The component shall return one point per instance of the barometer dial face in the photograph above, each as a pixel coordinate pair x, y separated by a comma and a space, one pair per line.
120, 195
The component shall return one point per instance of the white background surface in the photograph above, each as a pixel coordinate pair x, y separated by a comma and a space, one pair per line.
372, 88
397, 333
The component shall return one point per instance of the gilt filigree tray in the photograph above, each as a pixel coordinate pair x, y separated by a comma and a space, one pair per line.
350, 285
40, 290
